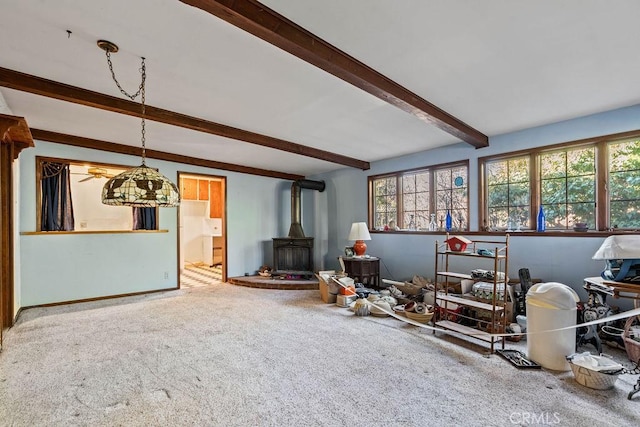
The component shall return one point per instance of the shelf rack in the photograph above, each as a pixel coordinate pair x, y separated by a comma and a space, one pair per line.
477, 319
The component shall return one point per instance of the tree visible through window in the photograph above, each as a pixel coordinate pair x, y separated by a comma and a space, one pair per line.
569, 186
385, 201
415, 201
451, 196
624, 184
508, 193
405, 200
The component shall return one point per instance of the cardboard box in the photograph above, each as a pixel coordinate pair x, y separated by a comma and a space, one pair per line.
466, 286
328, 287
487, 314
408, 288
508, 309
346, 281
325, 295
345, 300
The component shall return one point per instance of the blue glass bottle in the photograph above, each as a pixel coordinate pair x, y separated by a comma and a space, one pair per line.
541, 226
448, 221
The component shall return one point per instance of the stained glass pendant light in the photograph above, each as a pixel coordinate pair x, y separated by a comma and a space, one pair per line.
141, 186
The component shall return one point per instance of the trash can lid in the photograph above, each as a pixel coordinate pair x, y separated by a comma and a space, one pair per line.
553, 295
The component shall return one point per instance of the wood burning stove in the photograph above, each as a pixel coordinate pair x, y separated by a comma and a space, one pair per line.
293, 255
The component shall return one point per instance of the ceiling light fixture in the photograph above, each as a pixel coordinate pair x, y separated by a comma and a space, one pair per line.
140, 186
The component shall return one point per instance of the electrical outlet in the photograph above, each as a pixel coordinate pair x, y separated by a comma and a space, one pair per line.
166, 275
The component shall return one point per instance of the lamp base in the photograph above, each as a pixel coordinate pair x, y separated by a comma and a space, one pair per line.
360, 247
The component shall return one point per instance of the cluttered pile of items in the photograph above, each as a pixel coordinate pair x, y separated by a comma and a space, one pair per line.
550, 312
400, 299
412, 299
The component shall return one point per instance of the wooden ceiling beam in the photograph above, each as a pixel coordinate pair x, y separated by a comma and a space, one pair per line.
112, 147
270, 26
49, 88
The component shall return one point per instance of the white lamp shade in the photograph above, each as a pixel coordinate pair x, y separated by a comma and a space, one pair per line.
359, 231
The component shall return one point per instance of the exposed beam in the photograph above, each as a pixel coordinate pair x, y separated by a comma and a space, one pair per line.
40, 86
112, 147
270, 26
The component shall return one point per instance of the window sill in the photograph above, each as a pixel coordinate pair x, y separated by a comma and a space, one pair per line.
548, 233
558, 233
45, 233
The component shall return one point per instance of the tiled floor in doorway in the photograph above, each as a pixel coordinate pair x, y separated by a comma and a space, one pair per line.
200, 275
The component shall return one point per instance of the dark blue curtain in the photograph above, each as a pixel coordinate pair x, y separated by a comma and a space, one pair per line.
144, 218
57, 207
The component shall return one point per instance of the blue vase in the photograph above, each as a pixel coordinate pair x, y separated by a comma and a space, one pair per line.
448, 221
541, 226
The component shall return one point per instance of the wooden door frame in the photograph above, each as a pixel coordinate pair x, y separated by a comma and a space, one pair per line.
223, 180
14, 137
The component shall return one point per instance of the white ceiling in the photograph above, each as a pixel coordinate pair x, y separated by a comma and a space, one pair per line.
496, 65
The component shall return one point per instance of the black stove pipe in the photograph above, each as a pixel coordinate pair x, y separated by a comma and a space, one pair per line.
295, 231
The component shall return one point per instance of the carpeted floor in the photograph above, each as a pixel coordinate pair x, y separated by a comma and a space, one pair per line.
225, 355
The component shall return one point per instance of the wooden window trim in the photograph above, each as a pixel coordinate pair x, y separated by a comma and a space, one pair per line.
432, 193
600, 143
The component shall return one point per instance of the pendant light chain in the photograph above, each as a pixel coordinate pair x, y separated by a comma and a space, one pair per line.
141, 92
143, 70
140, 186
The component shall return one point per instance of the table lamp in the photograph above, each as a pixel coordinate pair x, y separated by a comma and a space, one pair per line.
359, 233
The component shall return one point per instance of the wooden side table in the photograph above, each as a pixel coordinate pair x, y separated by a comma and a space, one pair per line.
363, 270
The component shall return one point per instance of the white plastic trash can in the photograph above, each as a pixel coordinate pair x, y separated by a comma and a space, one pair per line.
551, 306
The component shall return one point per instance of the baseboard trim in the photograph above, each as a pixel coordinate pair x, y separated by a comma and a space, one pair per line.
15, 318
131, 294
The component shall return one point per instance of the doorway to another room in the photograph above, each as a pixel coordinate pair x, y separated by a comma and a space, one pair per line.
202, 229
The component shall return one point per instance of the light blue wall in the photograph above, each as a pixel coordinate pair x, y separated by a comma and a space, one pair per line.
65, 268
56, 268
566, 260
